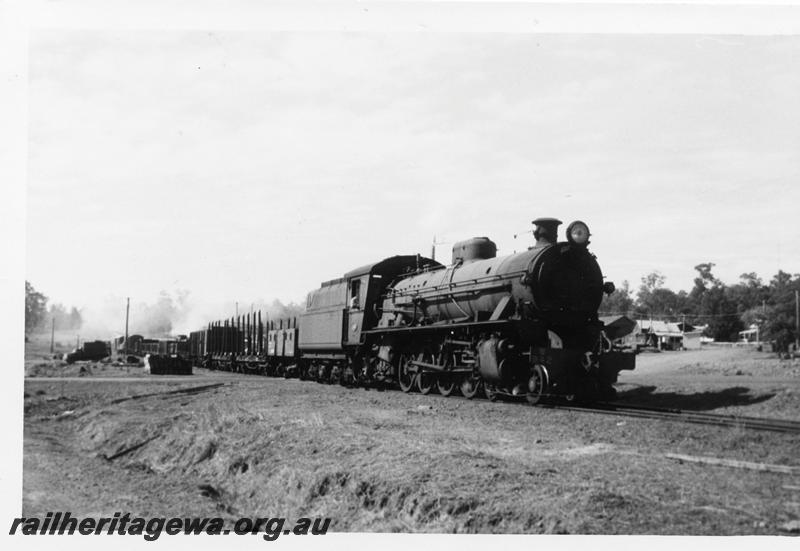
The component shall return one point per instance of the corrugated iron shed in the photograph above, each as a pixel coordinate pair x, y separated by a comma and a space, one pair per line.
660, 328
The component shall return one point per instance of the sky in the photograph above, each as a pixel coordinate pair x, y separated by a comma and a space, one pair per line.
247, 166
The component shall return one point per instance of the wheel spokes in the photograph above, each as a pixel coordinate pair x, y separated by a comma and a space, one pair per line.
405, 377
537, 385
446, 385
425, 382
470, 387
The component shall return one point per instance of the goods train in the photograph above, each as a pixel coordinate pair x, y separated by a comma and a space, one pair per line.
523, 325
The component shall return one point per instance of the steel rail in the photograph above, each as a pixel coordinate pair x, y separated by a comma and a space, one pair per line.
694, 417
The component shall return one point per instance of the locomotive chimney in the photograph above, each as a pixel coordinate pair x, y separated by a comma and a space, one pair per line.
546, 232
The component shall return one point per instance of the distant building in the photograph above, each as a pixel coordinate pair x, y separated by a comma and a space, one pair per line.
751, 334
693, 340
662, 335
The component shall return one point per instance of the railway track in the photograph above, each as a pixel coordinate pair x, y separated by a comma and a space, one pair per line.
695, 417
672, 414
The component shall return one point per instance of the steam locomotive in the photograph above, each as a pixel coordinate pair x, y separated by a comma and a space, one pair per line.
522, 325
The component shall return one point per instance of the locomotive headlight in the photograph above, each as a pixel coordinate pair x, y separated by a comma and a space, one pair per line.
578, 233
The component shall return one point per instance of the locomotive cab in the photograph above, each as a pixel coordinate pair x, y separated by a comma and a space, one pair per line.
366, 286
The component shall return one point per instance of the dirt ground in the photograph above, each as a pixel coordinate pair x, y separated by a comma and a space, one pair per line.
109, 438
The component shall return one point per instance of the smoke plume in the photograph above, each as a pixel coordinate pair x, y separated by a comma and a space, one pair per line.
173, 313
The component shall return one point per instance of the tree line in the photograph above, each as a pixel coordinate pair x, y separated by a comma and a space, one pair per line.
726, 309
39, 316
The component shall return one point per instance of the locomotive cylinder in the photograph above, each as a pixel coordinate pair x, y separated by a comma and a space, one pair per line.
495, 361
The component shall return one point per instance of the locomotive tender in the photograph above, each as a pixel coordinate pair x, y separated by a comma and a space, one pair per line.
525, 324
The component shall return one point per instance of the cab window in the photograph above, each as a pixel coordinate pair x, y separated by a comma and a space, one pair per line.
355, 291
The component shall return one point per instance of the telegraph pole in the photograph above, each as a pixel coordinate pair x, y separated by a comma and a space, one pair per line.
52, 334
797, 320
127, 313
